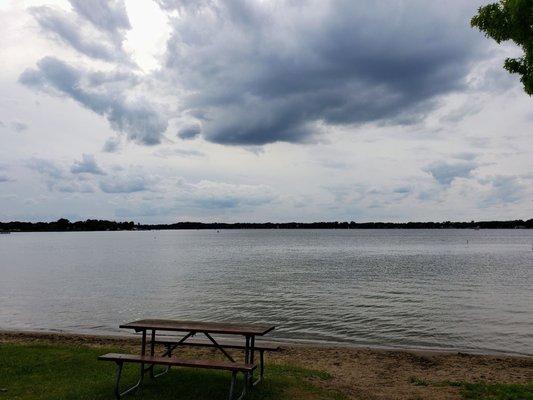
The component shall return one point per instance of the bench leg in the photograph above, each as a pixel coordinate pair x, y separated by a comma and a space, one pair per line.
168, 352
234, 383
261, 368
153, 374
118, 393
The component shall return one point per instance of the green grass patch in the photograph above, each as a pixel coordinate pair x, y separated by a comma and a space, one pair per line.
499, 391
417, 381
483, 391
67, 372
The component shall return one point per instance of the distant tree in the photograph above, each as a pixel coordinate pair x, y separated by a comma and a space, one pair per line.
63, 223
511, 20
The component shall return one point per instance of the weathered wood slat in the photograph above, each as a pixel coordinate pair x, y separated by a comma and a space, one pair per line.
193, 326
172, 361
259, 346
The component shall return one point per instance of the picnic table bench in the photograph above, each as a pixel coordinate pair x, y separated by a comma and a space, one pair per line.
190, 329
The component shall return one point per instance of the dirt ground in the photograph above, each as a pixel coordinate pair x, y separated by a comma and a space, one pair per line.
360, 373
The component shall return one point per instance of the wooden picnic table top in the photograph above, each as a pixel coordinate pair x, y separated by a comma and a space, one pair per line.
197, 326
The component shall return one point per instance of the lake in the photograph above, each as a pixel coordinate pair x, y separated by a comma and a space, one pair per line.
441, 289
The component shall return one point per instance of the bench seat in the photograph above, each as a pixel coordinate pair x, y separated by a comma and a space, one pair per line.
151, 361
172, 361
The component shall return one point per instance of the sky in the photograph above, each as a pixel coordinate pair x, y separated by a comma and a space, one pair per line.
160, 111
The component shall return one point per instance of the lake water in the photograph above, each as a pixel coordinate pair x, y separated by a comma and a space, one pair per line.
443, 289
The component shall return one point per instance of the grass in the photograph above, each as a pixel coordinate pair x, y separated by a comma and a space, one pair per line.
417, 381
499, 391
67, 372
484, 391
64, 372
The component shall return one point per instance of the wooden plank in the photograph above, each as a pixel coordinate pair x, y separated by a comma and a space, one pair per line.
223, 343
193, 363
194, 326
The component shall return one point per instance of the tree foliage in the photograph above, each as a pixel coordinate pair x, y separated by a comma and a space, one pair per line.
511, 20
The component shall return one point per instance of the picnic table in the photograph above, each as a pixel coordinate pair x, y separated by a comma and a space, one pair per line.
189, 329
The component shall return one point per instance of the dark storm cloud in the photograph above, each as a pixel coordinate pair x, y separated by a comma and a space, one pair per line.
261, 72
137, 118
189, 132
251, 73
87, 165
445, 172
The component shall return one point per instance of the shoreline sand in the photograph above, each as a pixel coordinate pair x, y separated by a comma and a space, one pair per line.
114, 337
359, 373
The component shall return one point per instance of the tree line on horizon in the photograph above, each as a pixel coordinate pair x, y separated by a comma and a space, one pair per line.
64, 224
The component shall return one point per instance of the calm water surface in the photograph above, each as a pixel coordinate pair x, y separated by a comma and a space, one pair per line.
446, 289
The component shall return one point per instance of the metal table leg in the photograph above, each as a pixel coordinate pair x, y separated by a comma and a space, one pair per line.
152, 353
143, 352
252, 355
249, 350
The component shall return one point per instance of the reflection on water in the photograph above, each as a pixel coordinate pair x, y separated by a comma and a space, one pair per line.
459, 289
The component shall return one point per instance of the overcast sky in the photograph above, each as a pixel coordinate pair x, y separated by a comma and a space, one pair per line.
259, 110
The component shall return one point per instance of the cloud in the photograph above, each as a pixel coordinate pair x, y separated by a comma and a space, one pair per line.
4, 178
203, 197
46, 167
58, 179
334, 164
136, 117
252, 73
18, 126
85, 176
74, 187
460, 113
87, 165
181, 5
189, 132
468, 156
95, 29
111, 145
108, 15
403, 190
445, 172
502, 190
143, 210
259, 73
208, 194
65, 28
164, 153
124, 184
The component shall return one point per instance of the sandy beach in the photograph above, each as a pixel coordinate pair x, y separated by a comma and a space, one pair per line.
358, 373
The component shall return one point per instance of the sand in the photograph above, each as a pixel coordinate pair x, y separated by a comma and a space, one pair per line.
360, 373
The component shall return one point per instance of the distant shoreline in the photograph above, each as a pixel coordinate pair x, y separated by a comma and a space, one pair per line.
64, 225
